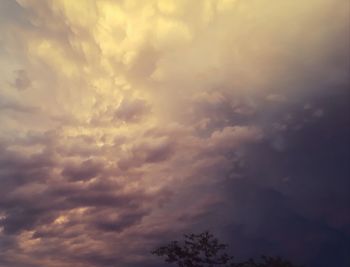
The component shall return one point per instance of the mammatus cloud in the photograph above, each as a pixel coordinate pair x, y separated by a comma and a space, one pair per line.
124, 123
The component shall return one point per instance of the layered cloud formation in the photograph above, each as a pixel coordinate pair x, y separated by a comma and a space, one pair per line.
127, 123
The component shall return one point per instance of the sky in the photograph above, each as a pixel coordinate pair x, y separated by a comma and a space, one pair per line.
125, 124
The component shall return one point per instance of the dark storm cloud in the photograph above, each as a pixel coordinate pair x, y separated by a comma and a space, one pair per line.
125, 220
82, 171
286, 197
34, 198
292, 200
14, 106
154, 150
19, 169
29, 206
22, 80
131, 111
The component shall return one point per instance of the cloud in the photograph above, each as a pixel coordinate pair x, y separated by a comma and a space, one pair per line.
86, 170
22, 81
230, 137
131, 111
16, 107
124, 124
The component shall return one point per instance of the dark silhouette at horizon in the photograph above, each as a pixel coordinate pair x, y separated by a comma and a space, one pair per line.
205, 250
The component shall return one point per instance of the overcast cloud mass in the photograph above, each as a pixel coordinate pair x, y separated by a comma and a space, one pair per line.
125, 123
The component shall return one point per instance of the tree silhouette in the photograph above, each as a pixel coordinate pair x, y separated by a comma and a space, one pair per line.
204, 250
201, 250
